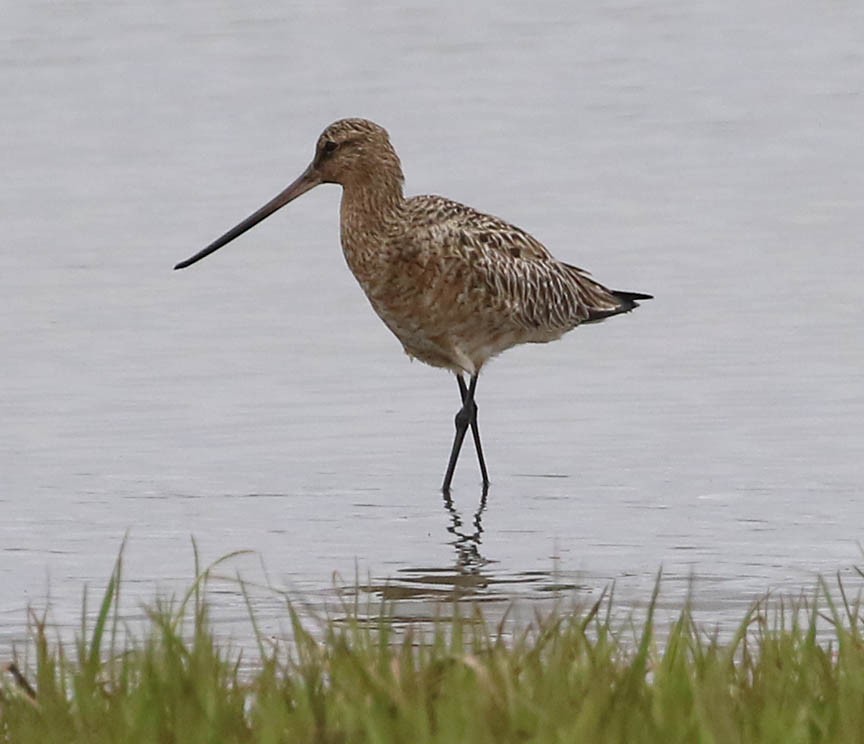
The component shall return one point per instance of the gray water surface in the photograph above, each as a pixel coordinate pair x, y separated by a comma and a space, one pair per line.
708, 153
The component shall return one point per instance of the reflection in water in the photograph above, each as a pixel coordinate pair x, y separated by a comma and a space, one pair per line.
467, 544
471, 577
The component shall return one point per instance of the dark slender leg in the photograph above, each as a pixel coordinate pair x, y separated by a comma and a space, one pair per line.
475, 429
467, 416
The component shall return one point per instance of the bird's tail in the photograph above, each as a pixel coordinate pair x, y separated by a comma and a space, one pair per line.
628, 299
627, 302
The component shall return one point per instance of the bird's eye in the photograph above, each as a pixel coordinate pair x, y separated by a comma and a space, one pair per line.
329, 146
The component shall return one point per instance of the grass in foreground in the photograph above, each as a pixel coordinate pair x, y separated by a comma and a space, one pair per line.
568, 677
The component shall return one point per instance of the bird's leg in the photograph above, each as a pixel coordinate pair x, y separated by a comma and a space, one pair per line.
466, 416
463, 419
475, 429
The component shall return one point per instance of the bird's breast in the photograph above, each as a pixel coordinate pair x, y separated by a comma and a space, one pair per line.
437, 307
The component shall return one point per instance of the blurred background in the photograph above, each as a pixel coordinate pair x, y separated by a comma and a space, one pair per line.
708, 153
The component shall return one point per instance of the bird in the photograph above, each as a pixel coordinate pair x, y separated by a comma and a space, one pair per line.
455, 286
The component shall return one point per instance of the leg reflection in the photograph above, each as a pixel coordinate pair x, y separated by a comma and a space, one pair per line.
467, 541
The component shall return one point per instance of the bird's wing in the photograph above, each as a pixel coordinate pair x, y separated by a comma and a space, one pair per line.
522, 282
456, 221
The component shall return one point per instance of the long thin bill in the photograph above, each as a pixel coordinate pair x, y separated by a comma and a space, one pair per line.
309, 179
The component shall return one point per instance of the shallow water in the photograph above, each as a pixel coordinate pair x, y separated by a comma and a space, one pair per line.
707, 153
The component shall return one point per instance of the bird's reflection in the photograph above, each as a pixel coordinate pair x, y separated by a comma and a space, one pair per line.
466, 577
467, 543
419, 590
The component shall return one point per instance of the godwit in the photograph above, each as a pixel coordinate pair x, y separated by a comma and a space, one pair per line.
455, 286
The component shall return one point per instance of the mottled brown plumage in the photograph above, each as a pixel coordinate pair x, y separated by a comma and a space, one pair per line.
454, 285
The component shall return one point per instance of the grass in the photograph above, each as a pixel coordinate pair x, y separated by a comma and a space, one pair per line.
565, 677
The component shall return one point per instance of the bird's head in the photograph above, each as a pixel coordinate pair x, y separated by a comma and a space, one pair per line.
350, 152
354, 150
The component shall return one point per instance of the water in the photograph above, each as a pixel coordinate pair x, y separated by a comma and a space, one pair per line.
707, 153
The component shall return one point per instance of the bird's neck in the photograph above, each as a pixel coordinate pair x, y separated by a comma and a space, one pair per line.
370, 204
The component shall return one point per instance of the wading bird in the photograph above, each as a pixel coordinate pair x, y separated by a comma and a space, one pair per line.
454, 285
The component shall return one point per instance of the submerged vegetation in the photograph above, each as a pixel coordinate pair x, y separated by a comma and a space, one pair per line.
571, 676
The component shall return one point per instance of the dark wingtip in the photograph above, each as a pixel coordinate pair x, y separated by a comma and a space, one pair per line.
628, 302
632, 296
